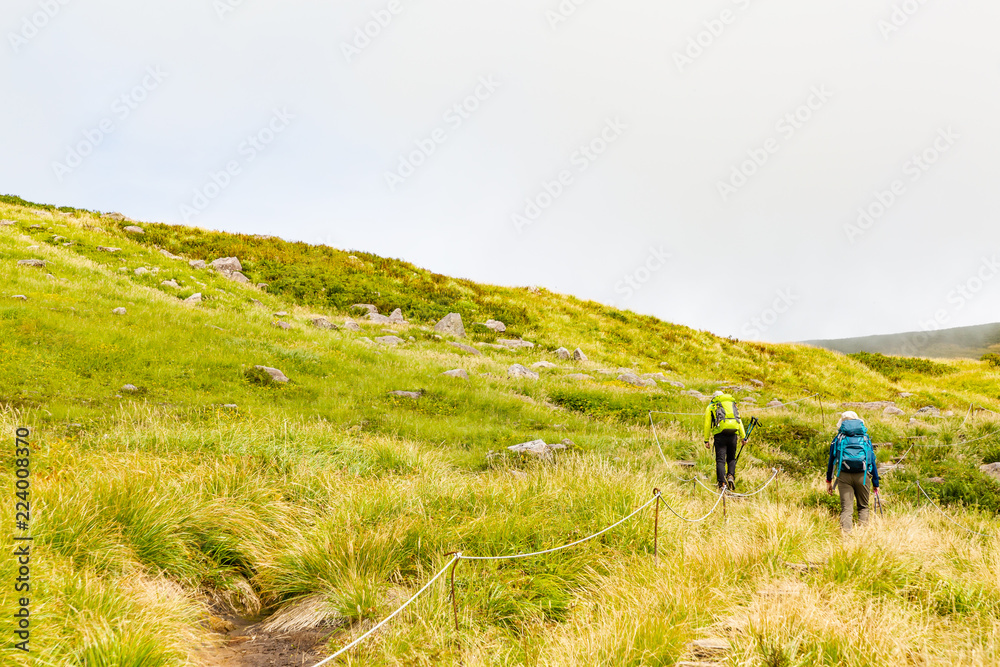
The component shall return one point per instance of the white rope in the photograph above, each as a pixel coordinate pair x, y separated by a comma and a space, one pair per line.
392, 615
657, 438
688, 414
565, 546
945, 515
684, 518
747, 495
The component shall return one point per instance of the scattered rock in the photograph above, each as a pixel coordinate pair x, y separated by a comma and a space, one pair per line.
6, 223
375, 318
775, 404
351, 325
578, 355
275, 374
197, 264
495, 325
322, 323
406, 394
515, 344
948, 413
257, 303
905, 394
35, 263
519, 371
756, 383
694, 393
194, 298
675, 383
467, 348
389, 340
543, 364
102, 248
262, 286
396, 316
457, 373
563, 354
226, 264
635, 380
20, 297
119, 311
991, 469
116, 216
929, 411
892, 411
868, 405
451, 324
579, 376
236, 277
129, 388
656, 377
372, 310
230, 406
141, 271
133, 229
536, 448
36, 227
281, 313
122, 269
749, 400
169, 255
281, 324
170, 283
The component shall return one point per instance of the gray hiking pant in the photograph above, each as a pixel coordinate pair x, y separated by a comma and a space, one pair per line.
852, 487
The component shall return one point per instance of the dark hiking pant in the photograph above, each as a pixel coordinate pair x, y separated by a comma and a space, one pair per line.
852, 488
725, 455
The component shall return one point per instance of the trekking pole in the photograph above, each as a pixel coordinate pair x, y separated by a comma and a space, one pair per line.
753, 425
878, 502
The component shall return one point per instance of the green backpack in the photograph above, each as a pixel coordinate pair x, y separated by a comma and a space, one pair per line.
725, 415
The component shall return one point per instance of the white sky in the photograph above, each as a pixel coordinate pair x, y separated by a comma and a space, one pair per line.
678, 131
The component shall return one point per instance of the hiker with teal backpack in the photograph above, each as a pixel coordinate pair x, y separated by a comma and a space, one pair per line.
722, 420
852, 459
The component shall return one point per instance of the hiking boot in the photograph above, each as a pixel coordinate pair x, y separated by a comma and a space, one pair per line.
731, 482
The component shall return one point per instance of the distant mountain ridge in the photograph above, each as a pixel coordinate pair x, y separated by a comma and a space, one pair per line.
970, 342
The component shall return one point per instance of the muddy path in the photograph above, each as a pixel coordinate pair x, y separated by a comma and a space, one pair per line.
244, 643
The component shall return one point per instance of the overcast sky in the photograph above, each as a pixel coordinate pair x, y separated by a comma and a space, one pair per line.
706, 162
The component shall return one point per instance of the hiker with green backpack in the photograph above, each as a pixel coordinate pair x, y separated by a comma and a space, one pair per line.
852, 458
722, 420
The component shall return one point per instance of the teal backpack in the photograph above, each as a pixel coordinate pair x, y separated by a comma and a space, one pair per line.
853, 448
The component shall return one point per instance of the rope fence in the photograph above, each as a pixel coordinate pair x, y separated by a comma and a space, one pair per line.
945, 515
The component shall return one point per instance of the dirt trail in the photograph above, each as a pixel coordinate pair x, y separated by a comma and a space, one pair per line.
246, 644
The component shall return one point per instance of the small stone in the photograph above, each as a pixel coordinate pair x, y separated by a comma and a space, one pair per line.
122, 269
119, 311
20, 297
230, 406
257, 303
536, 448
905, 394
107, 249
34, 263
351, 325
675, 383
115, 216
635, 380
262, 286
169, 255
396, 316
496, 325
372, 310
282, 325
892, 411
375, 318
406, 394
467, 348
197, 264
519, 371
756, 383
323, 323
775, 404
129, 388
132, 229
451, 324
281, 313
991, 469
457, 373
236, 277
142, 270
563, 354
515, 344
578, 355
6, 223
194, 298
543, 364
170, 283
389, 340
275, 374
36, 227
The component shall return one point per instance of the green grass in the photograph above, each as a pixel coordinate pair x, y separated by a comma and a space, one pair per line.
326, 501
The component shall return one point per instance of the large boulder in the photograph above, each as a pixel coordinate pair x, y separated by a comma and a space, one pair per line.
275, 374
467, 348
519, 371
578, 355
451, 324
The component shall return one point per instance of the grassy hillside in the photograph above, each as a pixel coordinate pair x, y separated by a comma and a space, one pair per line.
320, 505
958, 342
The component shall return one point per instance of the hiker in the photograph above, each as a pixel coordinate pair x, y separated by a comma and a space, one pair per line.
853, 458
722, 419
